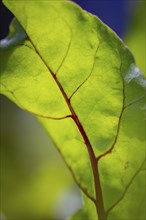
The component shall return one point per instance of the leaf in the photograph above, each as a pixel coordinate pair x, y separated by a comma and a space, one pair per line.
81, 81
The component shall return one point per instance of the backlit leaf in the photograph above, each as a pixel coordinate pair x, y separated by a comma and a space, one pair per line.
81, 81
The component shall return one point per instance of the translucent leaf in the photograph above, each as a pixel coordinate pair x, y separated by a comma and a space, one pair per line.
81, 81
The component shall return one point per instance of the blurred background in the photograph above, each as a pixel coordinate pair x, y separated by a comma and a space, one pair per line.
35, 183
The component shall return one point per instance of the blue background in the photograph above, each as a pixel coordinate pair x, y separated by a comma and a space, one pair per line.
115, 13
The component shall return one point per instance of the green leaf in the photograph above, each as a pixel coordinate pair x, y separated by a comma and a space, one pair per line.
81, 81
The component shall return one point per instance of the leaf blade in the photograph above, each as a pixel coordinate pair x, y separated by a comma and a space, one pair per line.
102, 53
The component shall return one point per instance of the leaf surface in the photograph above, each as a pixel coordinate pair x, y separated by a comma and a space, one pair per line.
81, 81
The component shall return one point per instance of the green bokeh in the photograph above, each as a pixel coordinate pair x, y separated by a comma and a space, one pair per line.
136, 35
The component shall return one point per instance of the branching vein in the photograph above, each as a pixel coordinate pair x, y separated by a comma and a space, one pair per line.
119, 122
126, 188
87, 76
74, 177
34, 113
66, 54
99, 197
134, 101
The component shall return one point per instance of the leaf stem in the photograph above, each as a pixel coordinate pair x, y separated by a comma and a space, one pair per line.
99, 198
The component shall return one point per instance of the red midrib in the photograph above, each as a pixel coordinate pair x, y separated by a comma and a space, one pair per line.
99, 198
